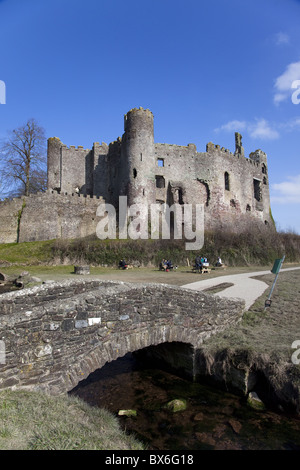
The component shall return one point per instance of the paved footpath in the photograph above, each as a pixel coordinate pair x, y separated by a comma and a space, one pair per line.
244, 287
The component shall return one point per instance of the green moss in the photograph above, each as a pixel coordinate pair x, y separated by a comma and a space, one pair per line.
178, 404
255, 403
20, 212
271, 217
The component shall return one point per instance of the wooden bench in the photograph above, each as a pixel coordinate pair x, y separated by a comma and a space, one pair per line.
205, 269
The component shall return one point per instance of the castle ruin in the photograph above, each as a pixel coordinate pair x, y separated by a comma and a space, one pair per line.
233, 189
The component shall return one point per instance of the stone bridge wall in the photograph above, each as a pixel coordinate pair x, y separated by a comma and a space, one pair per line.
57, 334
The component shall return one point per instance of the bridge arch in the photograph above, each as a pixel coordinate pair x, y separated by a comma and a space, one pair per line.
118, 347
55, 335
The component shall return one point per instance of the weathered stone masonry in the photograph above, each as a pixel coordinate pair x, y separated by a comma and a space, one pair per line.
56, 335
233, 189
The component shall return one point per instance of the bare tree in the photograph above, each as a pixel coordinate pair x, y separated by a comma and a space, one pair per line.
23, 158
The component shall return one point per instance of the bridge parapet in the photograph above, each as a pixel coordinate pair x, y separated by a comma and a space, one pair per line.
57, 334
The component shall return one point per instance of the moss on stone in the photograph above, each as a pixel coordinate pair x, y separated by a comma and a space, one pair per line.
178, 404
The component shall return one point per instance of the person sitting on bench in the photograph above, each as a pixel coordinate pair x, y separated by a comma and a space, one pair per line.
219, 262
198, 263
122, 264
169, 265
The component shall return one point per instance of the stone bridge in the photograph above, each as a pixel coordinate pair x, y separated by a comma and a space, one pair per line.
56, 334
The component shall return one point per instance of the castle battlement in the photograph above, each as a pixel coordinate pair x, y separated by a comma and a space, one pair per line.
140, 109
52, 194
211, 147
79, 148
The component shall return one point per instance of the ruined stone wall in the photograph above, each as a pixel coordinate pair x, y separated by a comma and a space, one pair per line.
231, 185
55, 335
10, 214
47, 216
117, 183
183, 175
176, 165
71, 169
76, 167
100, 176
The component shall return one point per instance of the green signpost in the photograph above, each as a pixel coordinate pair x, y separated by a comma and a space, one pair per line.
277, 266
275, 270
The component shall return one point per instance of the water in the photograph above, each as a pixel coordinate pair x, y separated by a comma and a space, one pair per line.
213, 418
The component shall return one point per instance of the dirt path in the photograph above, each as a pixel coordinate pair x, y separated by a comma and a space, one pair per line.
242, 285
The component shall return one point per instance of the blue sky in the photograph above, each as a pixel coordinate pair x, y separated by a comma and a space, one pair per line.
204, 68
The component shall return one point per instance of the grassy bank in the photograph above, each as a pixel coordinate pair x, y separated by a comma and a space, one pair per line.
263, 341
34, 421
249, 248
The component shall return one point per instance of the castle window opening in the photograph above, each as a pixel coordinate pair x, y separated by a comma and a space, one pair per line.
226, 181
160, 162
248, 208
264, 169
134, 173
265, 180
178, 196
160, 181
257, 190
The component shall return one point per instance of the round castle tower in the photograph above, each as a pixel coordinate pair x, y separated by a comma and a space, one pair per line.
138, 157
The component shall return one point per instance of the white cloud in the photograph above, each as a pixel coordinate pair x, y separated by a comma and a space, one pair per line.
281, 38
232, 126
260, 129
283, 83
291, 124
287, 192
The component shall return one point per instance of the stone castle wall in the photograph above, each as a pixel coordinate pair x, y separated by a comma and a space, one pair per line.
10, 214
233, 189
48, 216
191, 177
